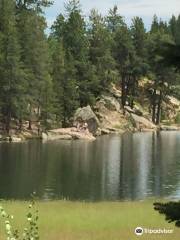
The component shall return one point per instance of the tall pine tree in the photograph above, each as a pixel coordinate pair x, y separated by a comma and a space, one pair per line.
12, 90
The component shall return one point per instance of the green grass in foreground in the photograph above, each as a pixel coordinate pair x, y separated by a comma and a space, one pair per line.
63, 220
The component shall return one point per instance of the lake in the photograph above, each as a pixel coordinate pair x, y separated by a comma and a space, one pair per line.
128, 167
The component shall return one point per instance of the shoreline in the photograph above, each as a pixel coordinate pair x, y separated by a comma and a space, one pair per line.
75, 135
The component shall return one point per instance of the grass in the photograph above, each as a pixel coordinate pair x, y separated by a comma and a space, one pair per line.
63, 220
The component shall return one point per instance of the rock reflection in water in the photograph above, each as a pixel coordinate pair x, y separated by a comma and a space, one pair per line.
131, 166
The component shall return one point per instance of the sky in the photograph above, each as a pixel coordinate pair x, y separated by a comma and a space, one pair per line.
127, 8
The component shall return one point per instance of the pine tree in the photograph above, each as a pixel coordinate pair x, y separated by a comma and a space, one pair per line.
114, 20
12, 83
75, 39
65, 88
139, 63
173, 26
158, 71
155, 24
124, 55
76, 43
35, 57
58, 28
37, 5
177, 34
101, 51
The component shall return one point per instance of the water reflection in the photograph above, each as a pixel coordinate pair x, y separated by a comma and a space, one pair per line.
133, 166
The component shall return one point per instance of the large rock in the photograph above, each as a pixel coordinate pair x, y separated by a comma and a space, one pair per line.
67, 134
87, 115
44, 136
173, 101
169, 128
136, 110
115, 92
15, 139
111, 103
141, 123
111, 120
49, 136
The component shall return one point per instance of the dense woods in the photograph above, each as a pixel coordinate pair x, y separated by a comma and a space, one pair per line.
54, 74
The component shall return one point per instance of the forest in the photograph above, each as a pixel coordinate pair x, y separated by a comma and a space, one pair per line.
73, 63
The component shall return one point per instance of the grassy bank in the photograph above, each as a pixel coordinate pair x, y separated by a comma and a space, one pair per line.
92, 221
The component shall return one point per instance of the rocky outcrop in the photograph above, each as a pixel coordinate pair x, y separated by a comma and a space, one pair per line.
115, 92
141, 123
173, 101
48, 136
111, 103
86, 115
106, 117
136, 110
15, 139
67, 134
171, 108
110, 115
169, 128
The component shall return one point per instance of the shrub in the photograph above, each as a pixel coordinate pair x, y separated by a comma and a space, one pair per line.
29, 232
171, 210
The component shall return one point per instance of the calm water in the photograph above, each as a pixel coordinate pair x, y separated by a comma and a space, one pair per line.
134, 166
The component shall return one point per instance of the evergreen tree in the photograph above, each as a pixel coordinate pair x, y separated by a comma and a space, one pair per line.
75, 39
139, 63
12, 88
37, 5
101, 51
173, 26
138, 32
79, 60
58, 28
114, 20
161, 75
65, 88
76, 43
34, 55
177, 34
124, 53
155, 24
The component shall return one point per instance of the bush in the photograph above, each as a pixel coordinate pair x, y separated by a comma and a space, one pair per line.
29, 232
171, 210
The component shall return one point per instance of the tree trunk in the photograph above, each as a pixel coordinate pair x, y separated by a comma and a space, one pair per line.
8, 121
20, 124
30, 125
158, 116
133, 92
123, 89
154, 106
30, 122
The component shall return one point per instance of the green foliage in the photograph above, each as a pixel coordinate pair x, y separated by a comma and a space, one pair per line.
100, 51
34, 55
31, 229
78, 61
33, 4
12, 91
171, 210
